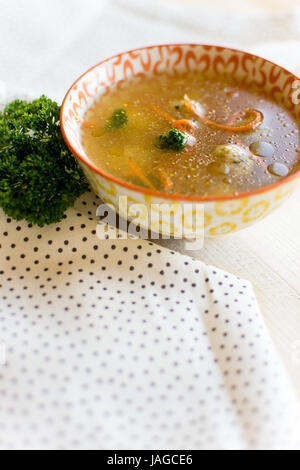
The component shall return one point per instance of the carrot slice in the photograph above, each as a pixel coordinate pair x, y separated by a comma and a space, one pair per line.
88, 124
166, 180
138, 172
254, 123
180, 124
161, 113
184, 125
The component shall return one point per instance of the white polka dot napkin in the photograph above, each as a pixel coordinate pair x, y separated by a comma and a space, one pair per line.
122, 344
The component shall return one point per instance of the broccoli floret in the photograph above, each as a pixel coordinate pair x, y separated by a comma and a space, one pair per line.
117, 120
39, 177
173, 140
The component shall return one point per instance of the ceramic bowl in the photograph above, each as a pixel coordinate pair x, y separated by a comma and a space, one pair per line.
223, 214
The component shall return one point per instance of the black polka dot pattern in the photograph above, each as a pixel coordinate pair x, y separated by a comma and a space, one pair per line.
120, 344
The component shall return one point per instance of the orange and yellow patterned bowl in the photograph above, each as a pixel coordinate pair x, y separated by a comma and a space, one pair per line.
221, 214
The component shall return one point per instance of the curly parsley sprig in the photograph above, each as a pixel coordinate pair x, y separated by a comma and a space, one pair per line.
39, 177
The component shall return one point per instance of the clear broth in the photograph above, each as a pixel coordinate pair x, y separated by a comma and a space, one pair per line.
190, 170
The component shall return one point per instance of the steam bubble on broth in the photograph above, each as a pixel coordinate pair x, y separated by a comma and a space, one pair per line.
262, 149
278, 169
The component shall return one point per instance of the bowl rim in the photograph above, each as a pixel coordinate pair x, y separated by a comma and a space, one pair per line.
158, 194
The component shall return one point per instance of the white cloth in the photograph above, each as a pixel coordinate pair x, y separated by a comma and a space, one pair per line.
80, 375
121, 344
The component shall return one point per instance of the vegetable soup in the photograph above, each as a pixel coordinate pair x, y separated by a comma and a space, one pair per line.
191, 135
